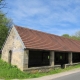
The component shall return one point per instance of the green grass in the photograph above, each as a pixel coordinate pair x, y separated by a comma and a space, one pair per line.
12, 72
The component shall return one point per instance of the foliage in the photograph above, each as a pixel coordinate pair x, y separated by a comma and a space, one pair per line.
3, 34
66, 35
76, 36
5, 23
12, 72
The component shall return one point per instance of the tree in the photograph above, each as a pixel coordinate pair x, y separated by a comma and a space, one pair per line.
3, 34
5, 23
66, 35
4, 28
2, 4
3, 19
77, 34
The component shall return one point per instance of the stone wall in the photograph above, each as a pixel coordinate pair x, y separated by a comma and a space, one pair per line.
42, 69
14, 43
68, 65
25, 59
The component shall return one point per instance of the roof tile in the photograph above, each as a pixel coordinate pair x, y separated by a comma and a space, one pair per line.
34, 39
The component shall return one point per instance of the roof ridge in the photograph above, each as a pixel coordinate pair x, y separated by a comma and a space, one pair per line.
36, 30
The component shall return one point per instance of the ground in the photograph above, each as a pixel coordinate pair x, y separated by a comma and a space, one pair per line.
54, 76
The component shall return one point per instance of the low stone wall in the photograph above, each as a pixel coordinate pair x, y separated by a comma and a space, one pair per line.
42, 69
73, 64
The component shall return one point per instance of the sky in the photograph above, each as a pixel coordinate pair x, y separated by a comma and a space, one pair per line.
52, 16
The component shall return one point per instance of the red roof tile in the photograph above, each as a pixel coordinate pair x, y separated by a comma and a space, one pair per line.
34, 39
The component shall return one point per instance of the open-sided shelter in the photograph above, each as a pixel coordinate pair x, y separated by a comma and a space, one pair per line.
29, 48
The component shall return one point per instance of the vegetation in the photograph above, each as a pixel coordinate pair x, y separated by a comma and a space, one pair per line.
8, 71
5, 23
12, 72
4, 27
2, 4
76, 36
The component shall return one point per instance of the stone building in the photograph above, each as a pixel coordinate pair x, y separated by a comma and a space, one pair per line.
32, 49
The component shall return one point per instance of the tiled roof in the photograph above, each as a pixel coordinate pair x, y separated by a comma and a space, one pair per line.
34, 39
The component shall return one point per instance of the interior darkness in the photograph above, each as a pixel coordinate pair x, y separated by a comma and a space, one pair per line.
76, 57
10, 56
39, 58
62, 60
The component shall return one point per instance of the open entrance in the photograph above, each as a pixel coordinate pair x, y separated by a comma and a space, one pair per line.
61, 58
76, 57
10, 56
39, 58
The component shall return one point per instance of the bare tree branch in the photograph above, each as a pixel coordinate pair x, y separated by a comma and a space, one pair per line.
2, 4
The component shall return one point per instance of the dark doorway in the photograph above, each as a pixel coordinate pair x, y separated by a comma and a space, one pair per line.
39, 58
76, 57
61, 58
0, 53
10, 56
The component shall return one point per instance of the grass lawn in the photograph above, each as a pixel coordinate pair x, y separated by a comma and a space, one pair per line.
12, 72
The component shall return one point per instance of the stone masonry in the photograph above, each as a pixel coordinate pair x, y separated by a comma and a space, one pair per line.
70, 58
14, 44
52, 58
20, 55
